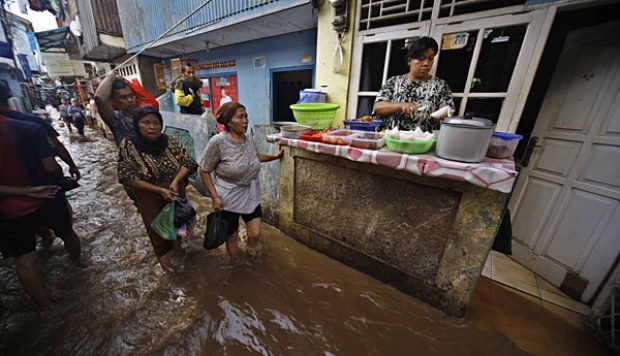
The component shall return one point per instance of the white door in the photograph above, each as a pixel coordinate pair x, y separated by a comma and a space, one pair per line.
566, 205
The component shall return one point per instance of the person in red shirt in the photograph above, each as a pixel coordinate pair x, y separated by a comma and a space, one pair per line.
30, 199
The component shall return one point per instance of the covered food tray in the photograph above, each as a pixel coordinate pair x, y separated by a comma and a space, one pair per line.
338, 137
503, 145
316, 135
370, 140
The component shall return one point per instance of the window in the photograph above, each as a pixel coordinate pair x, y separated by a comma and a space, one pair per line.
482, 56
493, 62
498, 56
380, 61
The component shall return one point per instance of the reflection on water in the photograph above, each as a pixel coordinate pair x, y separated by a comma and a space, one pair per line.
289, 300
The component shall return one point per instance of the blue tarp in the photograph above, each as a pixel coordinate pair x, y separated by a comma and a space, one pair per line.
23, 58
33, 41
55, 38
5, 50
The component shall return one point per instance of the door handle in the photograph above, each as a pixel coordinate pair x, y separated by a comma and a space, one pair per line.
528, 151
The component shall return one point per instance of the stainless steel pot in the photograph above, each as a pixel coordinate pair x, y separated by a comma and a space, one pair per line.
464, 139
295, 131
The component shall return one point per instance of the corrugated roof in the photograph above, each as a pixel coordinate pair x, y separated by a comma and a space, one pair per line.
56, 38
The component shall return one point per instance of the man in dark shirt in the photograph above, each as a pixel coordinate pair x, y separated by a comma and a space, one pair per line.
30, 199
114, 88
5, 95
187, 91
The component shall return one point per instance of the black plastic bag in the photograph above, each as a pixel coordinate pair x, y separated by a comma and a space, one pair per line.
68, 183
216, 233
183, 212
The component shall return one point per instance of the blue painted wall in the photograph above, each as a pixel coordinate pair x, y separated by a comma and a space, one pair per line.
254, 85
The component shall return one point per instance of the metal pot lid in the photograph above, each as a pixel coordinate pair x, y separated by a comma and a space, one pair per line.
468, 121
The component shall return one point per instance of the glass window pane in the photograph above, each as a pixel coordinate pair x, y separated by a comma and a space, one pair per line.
398, 57
364, 106
373, 58
457, 104
485, 108
499, 53
454, 60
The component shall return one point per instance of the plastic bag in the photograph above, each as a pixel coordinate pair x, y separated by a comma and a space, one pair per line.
216, 233
183, 212
163, 224
68, 183
142, 97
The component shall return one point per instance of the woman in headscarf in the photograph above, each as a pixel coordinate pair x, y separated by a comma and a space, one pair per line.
156, 166
235, 189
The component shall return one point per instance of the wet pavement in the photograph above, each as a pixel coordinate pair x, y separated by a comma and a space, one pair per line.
289, 300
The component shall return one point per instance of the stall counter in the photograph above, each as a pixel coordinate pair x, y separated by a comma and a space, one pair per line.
419, 223
496, 174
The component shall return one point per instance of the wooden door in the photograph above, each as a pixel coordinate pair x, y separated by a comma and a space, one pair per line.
566, 205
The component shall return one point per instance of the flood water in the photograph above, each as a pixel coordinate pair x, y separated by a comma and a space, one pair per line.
289, 300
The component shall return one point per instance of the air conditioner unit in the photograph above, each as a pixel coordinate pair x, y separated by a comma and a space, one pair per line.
16, 103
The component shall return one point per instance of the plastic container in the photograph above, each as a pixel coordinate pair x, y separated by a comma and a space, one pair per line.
318, 116
357, 124
312, 96
503, 145
408, 146
369, 140
313, 136
338, 137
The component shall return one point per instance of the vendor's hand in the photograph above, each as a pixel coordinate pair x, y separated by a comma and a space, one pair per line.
75, 172
218, 204
168, 194
42, 191
280, 152
174, 187
444, 112
409, 108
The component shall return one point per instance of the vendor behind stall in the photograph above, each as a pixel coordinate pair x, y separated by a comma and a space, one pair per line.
408, 100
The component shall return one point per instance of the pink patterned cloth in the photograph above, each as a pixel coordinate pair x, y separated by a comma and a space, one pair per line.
496, 174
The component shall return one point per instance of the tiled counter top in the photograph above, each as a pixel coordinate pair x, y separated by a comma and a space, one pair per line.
495, 174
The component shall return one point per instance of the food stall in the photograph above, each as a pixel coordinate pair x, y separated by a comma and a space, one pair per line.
418, 222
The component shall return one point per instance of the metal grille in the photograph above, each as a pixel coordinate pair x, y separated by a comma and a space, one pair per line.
606, 327
451, 8
382, 13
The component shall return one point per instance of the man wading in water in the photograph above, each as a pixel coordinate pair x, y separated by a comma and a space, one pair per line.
115, 89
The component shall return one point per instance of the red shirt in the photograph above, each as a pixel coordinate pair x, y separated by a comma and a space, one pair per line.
22, 147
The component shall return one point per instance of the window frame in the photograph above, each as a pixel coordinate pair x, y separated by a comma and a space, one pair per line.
537, 20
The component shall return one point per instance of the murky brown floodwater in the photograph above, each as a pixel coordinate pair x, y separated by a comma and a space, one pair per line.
289, 301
